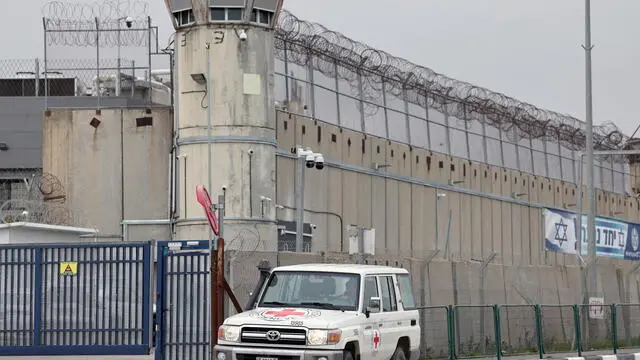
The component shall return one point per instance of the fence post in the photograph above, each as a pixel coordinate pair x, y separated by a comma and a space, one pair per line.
614, 326
496, 327
451, 332
37, 296
537, 310
576, 327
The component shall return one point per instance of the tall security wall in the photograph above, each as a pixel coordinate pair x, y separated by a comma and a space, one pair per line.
400, 200
116, 171
400, 203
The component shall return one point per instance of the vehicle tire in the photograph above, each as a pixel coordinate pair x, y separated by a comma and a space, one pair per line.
399, 354
347, 355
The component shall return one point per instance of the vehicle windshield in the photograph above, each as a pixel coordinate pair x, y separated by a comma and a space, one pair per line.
321, 290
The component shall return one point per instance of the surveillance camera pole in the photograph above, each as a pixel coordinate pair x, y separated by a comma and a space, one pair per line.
118, 79
299, 194
301, 155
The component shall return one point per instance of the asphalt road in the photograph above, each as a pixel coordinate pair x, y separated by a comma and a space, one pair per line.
586, 354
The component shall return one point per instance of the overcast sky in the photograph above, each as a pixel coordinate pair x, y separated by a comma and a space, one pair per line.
528, 49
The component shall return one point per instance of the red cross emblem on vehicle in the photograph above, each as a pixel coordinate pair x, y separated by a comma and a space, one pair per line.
284, 312
376, 339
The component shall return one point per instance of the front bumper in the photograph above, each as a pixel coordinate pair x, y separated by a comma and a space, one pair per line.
250, 353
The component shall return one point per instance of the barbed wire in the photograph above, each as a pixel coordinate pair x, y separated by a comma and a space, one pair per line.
304, 43
88, 11
41, 200
77, 23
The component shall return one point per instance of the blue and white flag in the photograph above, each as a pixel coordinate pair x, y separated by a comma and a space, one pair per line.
560, 231
614, 238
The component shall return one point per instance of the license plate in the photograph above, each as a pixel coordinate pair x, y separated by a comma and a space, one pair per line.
265, 358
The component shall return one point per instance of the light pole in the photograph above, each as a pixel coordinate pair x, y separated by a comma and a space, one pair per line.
305, 157
591, 222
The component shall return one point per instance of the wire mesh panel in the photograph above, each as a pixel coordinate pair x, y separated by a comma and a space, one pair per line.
434, 326
558, 328
518, 333
596, 328
628, 325
75, 299
475, 331
17, 270
184, 295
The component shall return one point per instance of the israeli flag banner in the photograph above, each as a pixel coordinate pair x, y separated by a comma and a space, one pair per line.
560, 231
614, 238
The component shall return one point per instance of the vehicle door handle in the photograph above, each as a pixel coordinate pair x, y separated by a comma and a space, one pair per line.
399, 322
413, 322
380, 325
368, 327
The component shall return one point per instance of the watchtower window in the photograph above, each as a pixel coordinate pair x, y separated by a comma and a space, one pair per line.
184, 17
218, 14
261, 16
258, 16
234, 14
226, 14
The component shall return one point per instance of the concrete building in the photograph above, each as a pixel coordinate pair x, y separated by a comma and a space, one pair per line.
453, 178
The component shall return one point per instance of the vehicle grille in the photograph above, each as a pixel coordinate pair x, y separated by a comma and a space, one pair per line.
254, 357
258, 335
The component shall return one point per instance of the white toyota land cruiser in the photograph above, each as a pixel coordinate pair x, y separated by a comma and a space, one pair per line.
326, 312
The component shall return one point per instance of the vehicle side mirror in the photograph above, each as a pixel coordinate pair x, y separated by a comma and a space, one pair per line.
374, 305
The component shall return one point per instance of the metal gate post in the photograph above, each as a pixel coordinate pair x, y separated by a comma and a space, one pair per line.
214, 299
37, 296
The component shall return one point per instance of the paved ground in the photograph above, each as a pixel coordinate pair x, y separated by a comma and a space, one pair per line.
79, 357
66, 357
589, 355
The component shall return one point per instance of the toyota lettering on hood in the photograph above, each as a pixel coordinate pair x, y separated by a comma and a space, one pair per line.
285, 314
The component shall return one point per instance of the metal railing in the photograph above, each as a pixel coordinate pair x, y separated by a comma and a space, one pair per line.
474, 331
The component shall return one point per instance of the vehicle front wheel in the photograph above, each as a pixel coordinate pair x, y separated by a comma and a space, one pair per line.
399, 354
347, 355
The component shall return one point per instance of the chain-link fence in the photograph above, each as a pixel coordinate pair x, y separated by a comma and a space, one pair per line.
472, 331
94, 50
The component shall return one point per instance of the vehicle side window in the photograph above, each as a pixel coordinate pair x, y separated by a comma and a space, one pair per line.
387, 289
406, 292
370, 289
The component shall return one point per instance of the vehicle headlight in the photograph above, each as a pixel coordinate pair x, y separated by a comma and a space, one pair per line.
229, 333
323, 337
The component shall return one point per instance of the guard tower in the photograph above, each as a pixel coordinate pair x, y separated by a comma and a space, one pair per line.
225, 113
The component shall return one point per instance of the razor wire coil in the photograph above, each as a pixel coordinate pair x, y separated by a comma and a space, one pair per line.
84, 24
334, 55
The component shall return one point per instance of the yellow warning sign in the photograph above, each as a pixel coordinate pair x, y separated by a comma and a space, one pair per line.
68, 268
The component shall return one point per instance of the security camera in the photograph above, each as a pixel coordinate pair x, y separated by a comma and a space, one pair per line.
319, 161
250, 151
224, 187
243, 35
310, 160
128, 21
313, 226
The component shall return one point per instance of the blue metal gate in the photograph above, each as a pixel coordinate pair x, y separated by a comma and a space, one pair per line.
183, 303
84, 299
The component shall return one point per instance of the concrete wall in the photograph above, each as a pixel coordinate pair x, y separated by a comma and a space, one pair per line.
113, 172
400, 201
